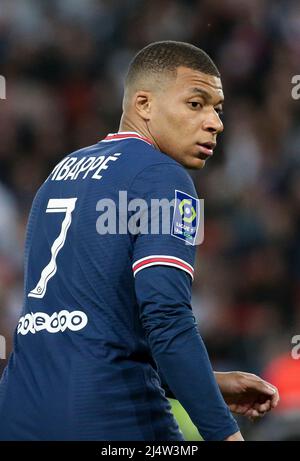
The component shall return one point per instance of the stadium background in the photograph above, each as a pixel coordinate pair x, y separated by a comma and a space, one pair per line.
64, 62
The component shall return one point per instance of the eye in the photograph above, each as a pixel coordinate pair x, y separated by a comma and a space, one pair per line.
219, 111
195, 105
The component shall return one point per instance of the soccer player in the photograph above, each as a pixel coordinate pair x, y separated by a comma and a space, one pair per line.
107, 319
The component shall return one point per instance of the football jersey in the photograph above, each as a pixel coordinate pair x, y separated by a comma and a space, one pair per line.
107, 316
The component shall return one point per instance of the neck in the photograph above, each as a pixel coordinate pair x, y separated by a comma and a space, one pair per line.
142, 129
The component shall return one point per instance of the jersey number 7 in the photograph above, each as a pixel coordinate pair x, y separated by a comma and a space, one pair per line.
55, 205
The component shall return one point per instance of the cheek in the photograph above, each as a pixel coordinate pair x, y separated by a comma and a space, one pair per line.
176, 127
175, 122
185, 121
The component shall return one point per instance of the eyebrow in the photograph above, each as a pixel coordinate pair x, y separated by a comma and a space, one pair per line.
205, 94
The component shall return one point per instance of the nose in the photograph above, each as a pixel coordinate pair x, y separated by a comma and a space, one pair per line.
213, 123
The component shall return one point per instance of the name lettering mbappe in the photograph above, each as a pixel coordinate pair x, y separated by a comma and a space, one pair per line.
72, 168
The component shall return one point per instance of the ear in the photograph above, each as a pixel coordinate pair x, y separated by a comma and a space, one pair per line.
143, 104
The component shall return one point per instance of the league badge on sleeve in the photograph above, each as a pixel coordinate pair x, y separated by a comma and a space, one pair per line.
188, 217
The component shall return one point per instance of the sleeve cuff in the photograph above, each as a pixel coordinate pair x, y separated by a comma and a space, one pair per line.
224, 433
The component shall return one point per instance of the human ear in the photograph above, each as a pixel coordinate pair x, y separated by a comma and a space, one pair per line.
143, 104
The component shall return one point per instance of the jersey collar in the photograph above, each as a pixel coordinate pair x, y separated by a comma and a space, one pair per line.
122, 135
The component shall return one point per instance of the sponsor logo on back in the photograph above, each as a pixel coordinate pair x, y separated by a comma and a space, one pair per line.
55, 323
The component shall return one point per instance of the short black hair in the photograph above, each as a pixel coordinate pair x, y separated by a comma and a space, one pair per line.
167, 56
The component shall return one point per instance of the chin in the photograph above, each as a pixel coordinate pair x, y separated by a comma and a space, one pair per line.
195, 164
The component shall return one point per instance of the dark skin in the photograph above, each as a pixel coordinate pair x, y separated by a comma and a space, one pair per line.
247, 394
180, 114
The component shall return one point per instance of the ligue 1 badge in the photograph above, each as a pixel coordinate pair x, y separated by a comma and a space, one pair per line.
188, 215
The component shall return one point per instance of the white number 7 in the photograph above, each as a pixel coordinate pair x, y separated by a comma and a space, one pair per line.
55, 205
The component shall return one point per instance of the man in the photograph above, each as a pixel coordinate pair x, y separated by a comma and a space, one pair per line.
107, 317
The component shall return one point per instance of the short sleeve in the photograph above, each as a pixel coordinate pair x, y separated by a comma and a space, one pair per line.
169, 219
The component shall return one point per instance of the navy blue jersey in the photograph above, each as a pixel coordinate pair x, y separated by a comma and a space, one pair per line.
107, 315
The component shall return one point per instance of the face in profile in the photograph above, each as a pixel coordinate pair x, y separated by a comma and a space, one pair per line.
185, 117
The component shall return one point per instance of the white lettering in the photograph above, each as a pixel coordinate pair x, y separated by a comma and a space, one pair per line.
58, 321
104, 166
72, 168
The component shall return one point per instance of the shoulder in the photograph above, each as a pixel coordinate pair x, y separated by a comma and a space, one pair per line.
150, 163
141, 162
160, 175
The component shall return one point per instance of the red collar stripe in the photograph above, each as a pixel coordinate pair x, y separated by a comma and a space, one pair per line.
122, 135
162, 260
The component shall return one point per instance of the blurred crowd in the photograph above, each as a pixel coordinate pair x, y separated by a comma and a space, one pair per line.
64, 62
